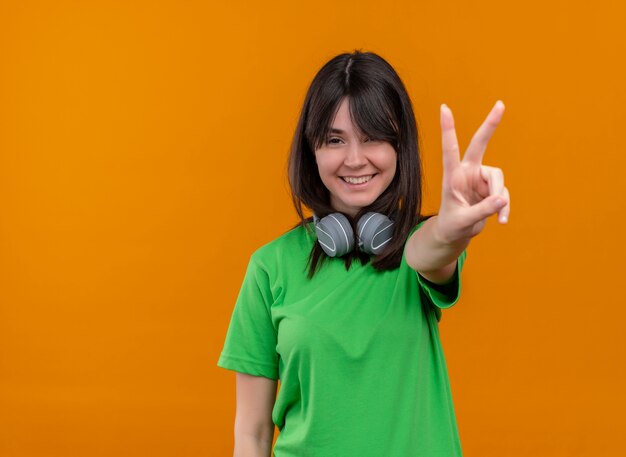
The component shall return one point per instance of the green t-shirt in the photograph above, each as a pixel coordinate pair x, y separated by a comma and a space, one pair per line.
358, 354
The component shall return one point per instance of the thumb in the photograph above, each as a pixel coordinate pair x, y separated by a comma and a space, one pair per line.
489, 206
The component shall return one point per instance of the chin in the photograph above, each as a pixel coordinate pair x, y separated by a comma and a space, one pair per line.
356, 206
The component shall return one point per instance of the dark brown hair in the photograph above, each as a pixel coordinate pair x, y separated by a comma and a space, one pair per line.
380, 108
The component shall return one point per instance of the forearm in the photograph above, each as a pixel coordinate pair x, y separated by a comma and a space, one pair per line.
252, 446
434, 258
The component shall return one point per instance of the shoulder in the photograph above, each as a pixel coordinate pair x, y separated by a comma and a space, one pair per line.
422, 220
291, 247
416, 227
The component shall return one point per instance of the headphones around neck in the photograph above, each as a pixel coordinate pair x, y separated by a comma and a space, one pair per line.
334, 233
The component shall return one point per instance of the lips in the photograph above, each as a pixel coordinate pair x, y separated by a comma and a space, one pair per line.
357, 179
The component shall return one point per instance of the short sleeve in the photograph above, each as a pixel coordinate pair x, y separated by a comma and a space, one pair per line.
444, 295
250, 345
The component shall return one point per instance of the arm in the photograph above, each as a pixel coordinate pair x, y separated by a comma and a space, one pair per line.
432, 257
254, 429
471, 192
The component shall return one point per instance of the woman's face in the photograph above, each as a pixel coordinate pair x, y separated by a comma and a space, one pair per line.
354, 169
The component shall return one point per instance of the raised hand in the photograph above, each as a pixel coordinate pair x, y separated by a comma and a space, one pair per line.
471, 191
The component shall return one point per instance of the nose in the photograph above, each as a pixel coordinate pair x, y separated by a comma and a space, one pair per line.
355, 157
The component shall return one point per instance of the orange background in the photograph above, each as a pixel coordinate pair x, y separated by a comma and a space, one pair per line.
143, 151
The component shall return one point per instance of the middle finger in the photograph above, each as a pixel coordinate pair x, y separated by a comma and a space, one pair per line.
477, 146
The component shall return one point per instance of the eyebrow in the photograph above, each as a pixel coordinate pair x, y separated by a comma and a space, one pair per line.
333, 130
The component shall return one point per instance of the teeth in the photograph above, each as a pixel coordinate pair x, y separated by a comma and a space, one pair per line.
359, 180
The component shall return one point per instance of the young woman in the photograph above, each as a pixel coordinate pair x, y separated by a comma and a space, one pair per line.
344, 308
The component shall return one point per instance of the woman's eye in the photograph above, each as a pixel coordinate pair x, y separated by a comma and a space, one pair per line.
334, 140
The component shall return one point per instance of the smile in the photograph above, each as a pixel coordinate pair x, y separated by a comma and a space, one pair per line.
357, 180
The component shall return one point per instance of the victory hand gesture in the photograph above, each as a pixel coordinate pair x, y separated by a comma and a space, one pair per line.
471, 191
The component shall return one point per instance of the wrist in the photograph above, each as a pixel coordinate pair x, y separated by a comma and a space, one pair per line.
443, 239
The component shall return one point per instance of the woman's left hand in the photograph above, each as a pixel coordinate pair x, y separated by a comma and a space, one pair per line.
471, 191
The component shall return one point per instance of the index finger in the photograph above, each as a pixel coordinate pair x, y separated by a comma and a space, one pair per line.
477, 146
449, 143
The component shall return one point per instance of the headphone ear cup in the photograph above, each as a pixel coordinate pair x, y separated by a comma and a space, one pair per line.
374, 231
334, 234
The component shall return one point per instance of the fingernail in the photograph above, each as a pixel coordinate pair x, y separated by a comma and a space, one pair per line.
504, 219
